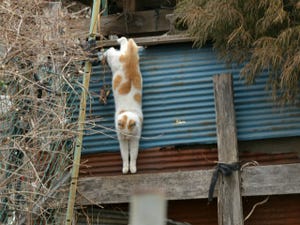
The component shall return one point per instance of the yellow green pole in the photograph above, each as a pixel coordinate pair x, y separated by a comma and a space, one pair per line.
81, 119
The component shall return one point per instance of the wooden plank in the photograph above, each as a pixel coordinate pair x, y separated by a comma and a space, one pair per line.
149, 41
116, 189
256, 181
149, 21
225, 119
271, 180
78, 28
230, 208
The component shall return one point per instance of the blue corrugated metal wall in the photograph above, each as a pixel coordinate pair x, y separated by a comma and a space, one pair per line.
178, 102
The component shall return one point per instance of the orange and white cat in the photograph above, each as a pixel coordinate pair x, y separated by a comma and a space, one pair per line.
127, 90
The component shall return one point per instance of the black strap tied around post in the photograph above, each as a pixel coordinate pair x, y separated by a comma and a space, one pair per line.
226, 170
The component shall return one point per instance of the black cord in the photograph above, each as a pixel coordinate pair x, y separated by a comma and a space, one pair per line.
224, 168
91, 48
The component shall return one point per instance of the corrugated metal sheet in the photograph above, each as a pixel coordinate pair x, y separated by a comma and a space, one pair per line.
171, 159
195, 212
94, 215
178, 102
279, 210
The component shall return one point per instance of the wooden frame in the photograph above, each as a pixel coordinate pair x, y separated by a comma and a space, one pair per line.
139, 22
256, 181
259, 180
230, 207
149, 41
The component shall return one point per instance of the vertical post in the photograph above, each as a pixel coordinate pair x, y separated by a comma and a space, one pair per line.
148, 208
230, 209
129, 5
104, 4
81, 119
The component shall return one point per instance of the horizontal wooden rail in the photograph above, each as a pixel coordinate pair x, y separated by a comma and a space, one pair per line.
150, 40
258, 180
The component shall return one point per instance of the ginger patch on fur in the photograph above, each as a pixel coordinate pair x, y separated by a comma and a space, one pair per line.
138, 98
117, 81
125, 88
122, 122
131, 125
130, 61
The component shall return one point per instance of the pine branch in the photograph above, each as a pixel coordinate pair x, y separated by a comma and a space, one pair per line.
264, 36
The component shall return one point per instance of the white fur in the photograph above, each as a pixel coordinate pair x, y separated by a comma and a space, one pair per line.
126, 105
129, 142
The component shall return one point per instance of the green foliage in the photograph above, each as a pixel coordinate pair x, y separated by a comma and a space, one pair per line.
263, 35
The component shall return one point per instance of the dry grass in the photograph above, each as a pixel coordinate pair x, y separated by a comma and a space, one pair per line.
40, 62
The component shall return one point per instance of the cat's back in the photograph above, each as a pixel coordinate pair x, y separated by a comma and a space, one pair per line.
127, 83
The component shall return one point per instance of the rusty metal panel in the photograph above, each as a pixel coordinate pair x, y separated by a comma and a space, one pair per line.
178, 102
118, 215
278, 210
172, 159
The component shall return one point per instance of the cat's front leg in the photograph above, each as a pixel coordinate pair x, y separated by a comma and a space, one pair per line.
134, 149
123, 43
109, 52
124, 154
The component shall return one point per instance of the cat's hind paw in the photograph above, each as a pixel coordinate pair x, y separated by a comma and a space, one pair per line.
125, 169
132, 169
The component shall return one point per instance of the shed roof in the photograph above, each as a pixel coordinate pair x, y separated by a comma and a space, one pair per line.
178, 102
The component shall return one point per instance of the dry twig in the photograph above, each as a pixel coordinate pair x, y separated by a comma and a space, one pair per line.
40, 63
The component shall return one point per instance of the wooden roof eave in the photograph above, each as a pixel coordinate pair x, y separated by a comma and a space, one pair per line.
149, 41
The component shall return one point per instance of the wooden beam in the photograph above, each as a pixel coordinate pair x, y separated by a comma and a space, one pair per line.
271, 180
256, 181
139, 22
230, 207
149, 41
78, 28
225, 119
116, 189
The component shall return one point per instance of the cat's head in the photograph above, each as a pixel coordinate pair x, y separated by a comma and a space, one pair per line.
129, 123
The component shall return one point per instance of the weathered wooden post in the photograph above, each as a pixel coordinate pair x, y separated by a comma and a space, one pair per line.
230, 209
148, 208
